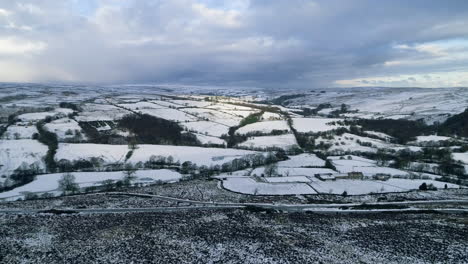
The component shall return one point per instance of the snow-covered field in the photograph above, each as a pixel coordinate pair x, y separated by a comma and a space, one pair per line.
116, 153
285, 171
13, 153
42, 115
169, 114
64, 128
216, 116
302, 160
250, 186
102, 115
305, 125
209, 120
49, 182
205, 139
208, 127
366, 166
463, 157
307, 185
264, 127
20, 132
271, 116
431, 138
108, 153
410, 103
285, 141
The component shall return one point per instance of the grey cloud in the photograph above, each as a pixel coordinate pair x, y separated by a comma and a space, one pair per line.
294, 43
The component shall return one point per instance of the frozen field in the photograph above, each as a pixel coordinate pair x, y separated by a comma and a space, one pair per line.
29, 117
285, 141
302, 160
463, 157
250, 186
285, 171
13, 153
116, 153
205, 139
49, 182
64, 128
366, 166
207, 127
305, 125
431, 138
20, 132
307, 185
264, 127
209, 116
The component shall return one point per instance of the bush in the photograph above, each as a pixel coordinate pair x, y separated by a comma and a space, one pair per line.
423, 187
153, 130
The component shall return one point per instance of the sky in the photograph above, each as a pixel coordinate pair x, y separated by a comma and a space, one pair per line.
261, 43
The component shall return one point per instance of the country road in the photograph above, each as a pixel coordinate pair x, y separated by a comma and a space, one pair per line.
405, 206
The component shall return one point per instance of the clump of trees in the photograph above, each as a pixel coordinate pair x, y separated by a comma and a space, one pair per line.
101, 137
455, 125
402, 130
69, 105
147, 129
427, 187
50, 139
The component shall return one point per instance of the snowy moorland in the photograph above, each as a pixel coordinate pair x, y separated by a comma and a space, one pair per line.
252, 142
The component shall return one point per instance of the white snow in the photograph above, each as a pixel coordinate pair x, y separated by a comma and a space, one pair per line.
192, 103
31, 117
204, 139
141, 105
116, 153
359, 164
356, 187
463, 157
431, 138
304, 125
19, 132
211, 128
308, 185
215, 116
285, 141
250, 186
284, 171
109, 153
169, 114
49, 182
264, 127
302, 160
14, 152
288, 179
35, 116
271, 116
62, 125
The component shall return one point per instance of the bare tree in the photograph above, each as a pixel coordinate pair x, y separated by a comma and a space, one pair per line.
271, 170
67, 183
129, 174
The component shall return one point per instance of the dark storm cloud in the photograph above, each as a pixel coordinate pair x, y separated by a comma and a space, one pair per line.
293, 43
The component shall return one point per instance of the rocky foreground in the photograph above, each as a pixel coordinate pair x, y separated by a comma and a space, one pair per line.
233, 236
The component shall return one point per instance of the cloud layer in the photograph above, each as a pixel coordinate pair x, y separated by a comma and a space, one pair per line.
284, 43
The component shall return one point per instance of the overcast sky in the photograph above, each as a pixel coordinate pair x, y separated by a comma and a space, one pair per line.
263, 43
